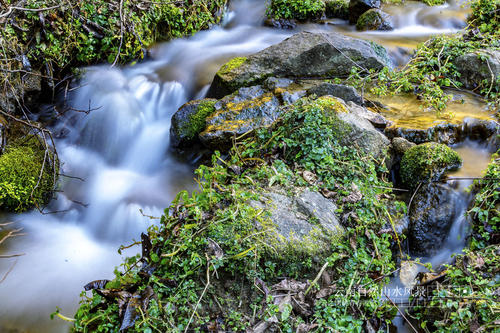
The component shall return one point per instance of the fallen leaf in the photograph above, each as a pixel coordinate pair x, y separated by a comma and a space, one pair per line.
309, 177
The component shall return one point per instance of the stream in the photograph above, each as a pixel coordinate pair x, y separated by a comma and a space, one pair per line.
119, 170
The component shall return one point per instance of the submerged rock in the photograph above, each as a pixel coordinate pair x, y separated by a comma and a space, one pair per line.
470, 128
304, 222
433, 210
189, 121
304, 55
344, 92
358, 7
280, 23
481, 68
374, 19
427, 162
238, 114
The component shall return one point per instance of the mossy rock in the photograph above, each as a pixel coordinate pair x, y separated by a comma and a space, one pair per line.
23, 183
305, 54
337, 9
374, 19
427, 162
189, 121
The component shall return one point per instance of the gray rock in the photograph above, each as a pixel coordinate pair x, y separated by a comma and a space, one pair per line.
238, 114
358, 7
433, 210
306, 220
360, 133
303, 55
376, 119
189, 121
280, 23
344, 92
479, 66
274, 83
401, 145
374, 19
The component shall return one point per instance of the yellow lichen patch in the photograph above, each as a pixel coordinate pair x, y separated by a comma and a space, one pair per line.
236, 108
227, 125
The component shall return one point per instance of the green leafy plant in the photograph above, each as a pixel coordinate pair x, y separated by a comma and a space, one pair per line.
296, 9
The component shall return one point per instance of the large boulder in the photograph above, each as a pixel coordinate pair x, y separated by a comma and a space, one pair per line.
189, 121
427, 162
238, 114
374, 19
344, 92
303, 222
433, 210
481, 68
358, 7
304, 55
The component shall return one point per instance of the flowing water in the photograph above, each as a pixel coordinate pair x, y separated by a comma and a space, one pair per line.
117, 162
475, 156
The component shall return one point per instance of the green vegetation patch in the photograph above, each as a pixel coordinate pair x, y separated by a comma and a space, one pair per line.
210, 262
464, 299
432, 68
427, 162
296, 9
26, 176
485, 212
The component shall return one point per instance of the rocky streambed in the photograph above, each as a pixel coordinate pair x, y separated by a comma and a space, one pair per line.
319, 192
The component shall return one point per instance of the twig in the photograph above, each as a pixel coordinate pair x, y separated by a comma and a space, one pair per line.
8, 272
121, 34
401, 313
413, 196
3, 256
12, 8
202, 294
316, 278
13, 233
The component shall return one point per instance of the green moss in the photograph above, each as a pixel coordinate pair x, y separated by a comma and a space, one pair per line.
337, 8
20, 170
197, 120
296, 9
427, 162
231, 65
